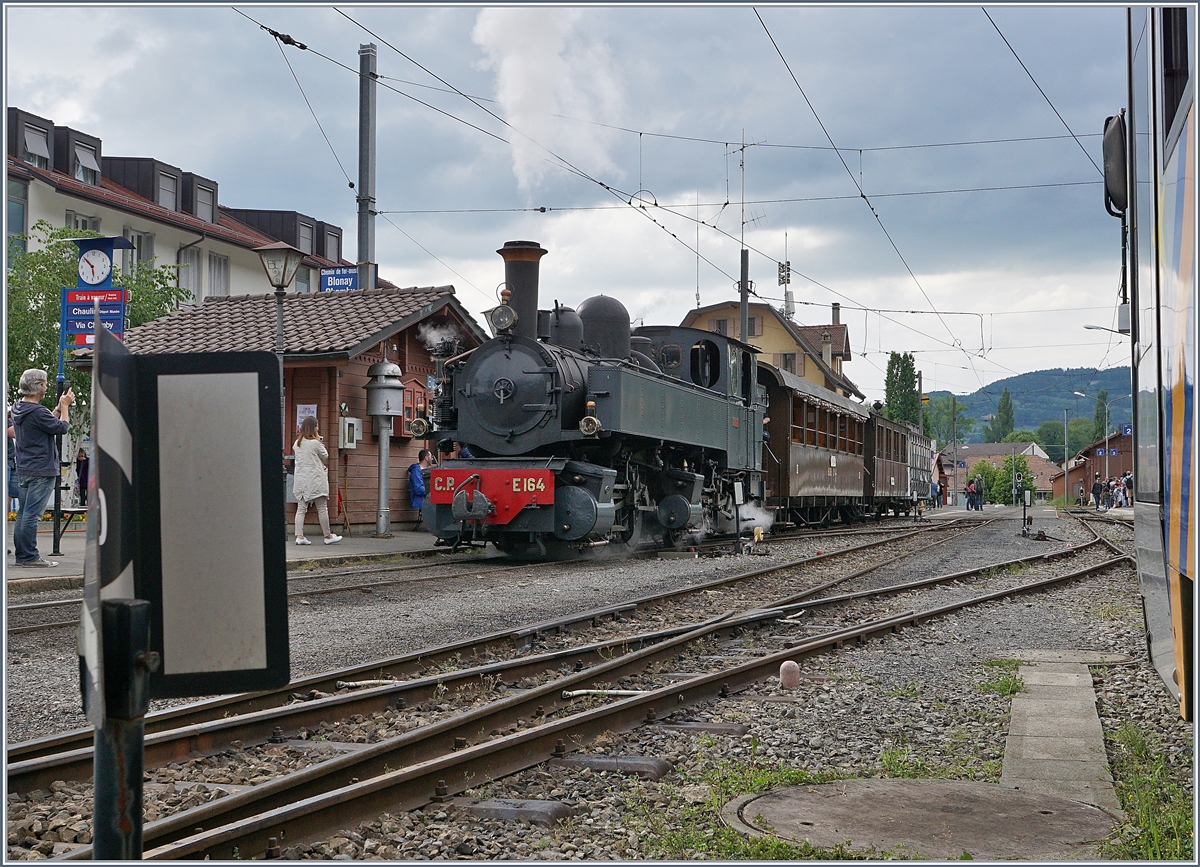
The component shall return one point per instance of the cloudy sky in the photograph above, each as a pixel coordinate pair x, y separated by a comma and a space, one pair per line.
979, 203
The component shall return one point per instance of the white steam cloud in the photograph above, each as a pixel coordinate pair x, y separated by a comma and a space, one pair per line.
431, 335
545, 68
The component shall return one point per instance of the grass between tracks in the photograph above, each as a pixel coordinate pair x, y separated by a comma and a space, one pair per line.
1159, 810
682, 820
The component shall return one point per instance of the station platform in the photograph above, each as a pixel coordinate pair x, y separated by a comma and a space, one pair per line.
359, 546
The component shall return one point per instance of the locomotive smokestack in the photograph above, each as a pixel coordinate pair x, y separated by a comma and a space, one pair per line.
521, 267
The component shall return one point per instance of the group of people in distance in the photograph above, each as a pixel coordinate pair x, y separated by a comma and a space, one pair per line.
975, 494
1117, 492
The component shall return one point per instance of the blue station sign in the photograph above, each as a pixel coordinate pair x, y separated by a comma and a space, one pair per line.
339, 279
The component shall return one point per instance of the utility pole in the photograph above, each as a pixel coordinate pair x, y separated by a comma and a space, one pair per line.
1066, 461
744, 282
367, 76
744, 288
954, 439
920, 403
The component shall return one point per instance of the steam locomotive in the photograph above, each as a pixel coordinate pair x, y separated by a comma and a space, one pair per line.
583, 432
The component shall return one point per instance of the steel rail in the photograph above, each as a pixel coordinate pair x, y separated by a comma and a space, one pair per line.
209, 737
308, 817
409, 664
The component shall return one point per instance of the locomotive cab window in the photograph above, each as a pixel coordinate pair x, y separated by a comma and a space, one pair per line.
670, 356
747, 378
706, 360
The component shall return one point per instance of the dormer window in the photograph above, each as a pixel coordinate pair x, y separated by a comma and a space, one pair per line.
168, 191
306, 238
87, 169
37, 146
333, 247
205, 204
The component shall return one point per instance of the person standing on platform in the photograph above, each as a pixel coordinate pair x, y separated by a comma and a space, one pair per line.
416, 481
35, 428
1097, 491
311, 485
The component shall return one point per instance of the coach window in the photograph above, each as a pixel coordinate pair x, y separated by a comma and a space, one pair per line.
843, 443
823, 428
904, 448
862, 428
1174, 68
798, 421
810, 424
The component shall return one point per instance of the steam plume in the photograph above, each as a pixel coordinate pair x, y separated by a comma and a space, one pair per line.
543, 68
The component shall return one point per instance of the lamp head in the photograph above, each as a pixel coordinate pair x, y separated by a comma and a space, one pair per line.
281, 261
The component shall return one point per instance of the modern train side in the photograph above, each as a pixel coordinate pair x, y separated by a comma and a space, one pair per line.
1150, 182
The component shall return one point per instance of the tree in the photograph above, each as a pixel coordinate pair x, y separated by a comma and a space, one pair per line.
998, 481
938, 423
35, 282
901, 401
1004, 416
1025, 436
1100, 419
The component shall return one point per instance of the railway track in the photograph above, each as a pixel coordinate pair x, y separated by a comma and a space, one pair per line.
498, 729
48, 615
412, 664
444, 757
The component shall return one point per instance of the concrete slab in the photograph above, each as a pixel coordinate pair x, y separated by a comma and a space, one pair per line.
545, 813
732, 729
1053, 769
1034, 726
1055, 741
644, 767
1079, 657
928, 819
1041, 677
1098, 794
1062, 748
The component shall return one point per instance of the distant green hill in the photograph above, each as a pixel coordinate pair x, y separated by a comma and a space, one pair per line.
1043, 395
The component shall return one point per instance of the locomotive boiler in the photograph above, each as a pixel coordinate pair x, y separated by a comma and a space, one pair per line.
584, 432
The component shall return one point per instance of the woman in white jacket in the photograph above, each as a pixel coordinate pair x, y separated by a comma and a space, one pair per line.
311, 483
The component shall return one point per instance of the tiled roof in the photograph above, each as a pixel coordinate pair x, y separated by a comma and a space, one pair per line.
991, 450
313, 323
839, 344
226, 228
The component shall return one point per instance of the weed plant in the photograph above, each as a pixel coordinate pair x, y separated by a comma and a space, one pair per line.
1159, 810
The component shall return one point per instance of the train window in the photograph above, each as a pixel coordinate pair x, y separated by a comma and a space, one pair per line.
706, 360
843, 444
858, 437
810, 425
903, 448
798, 421
670, 356
748, 366
1174, 63
822, 428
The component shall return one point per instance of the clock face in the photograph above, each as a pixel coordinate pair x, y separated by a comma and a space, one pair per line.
94, 267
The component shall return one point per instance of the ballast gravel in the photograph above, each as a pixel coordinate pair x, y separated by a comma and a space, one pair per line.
913, 703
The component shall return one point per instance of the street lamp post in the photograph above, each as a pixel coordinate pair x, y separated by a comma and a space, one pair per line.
1106, 433
280, 261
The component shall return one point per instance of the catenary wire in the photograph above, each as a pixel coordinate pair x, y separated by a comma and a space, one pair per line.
1042, 92
851, 174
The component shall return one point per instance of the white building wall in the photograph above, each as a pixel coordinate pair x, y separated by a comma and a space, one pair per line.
246, 275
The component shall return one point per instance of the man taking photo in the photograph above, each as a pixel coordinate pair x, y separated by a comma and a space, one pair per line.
35, 428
